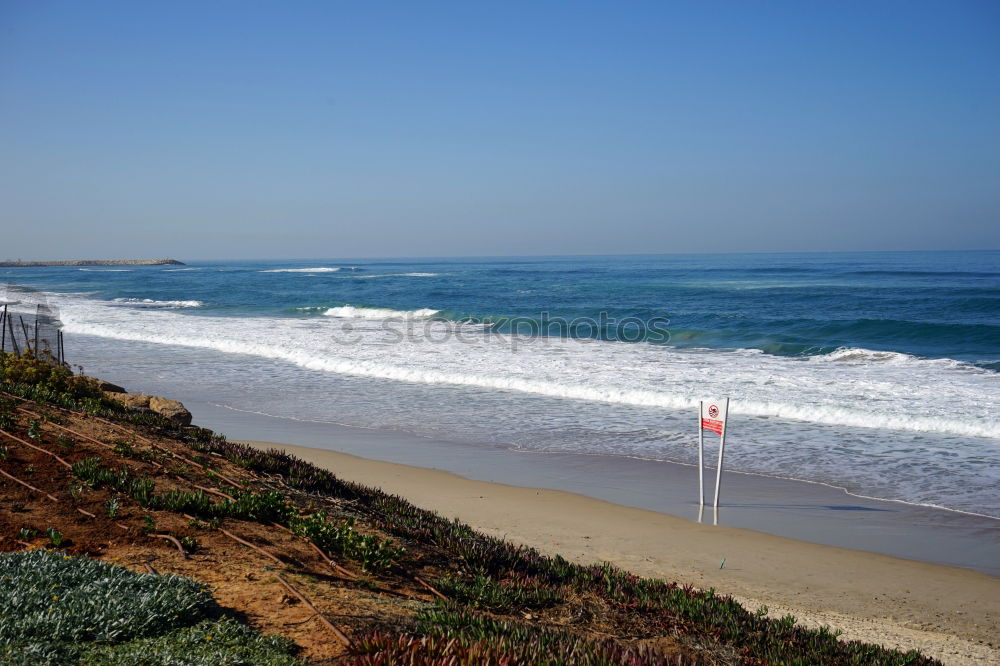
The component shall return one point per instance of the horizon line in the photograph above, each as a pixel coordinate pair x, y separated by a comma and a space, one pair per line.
542, 256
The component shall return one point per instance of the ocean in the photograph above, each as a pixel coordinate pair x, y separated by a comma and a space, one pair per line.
872, 372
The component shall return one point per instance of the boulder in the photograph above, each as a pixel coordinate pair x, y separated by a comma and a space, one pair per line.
108, 387
137, 401
170, 409
140, 402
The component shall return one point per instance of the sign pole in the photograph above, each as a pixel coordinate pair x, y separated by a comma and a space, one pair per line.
38, 308
701, 456
722, 450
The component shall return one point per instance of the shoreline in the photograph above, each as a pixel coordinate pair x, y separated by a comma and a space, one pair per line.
800, 510
949, 612
709, 469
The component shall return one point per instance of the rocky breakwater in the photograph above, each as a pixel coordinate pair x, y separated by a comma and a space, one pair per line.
93, 262
141, 402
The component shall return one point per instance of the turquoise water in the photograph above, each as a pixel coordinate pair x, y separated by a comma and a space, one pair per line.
873, 372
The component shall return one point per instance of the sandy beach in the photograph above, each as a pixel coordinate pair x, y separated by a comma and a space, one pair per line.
947, 612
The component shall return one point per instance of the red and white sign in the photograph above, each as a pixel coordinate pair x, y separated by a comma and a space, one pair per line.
713, 417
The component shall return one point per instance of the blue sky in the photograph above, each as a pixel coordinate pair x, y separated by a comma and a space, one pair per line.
312, 129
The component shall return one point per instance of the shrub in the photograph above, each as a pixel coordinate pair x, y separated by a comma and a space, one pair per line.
46, 377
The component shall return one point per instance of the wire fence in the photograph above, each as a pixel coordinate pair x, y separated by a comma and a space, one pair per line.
29, 325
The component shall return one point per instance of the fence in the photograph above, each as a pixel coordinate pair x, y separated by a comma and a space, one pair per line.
29, 325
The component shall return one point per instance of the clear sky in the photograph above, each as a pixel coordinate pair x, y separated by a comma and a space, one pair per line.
335, 129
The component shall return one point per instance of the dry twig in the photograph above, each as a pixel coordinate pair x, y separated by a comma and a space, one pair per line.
37, 448
27, 485
340, 635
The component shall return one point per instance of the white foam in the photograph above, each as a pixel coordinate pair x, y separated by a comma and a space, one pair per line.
106, 270
907, 394
390, 275
352, 312
177, 270
858, 355
321, 269
150, 303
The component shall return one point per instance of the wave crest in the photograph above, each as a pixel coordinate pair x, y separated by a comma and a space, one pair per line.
150, 303
859, 355
354, 312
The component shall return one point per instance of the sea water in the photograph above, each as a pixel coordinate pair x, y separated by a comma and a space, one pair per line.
877, 373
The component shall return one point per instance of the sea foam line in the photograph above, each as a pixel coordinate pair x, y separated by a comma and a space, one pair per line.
150, 303
312, 360
388, 275
357, 312
321, 269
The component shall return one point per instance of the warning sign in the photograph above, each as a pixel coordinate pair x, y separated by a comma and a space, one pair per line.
712, 418
712, 415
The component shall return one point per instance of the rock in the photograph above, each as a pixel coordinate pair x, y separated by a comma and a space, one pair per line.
138, 401
94, 262
170, 409
108, 387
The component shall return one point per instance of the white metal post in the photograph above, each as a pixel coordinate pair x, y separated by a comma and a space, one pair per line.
722, 450
701, 456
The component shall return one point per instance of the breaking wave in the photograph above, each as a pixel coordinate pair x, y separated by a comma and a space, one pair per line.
353, 312
150, 303
848, 387
321, 269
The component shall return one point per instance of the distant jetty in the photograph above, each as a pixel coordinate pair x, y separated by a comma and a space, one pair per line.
94, 262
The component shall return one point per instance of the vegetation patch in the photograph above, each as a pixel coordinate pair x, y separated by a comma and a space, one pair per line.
259, 507
225, 642
373, 553
46, 380
59, 609
460, 638
510, 594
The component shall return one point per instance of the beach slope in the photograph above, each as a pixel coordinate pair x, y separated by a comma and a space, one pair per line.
945, 612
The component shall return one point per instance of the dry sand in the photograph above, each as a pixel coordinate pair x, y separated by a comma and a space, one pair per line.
948, 613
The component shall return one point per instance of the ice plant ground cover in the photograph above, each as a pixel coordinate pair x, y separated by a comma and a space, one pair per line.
61, 609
